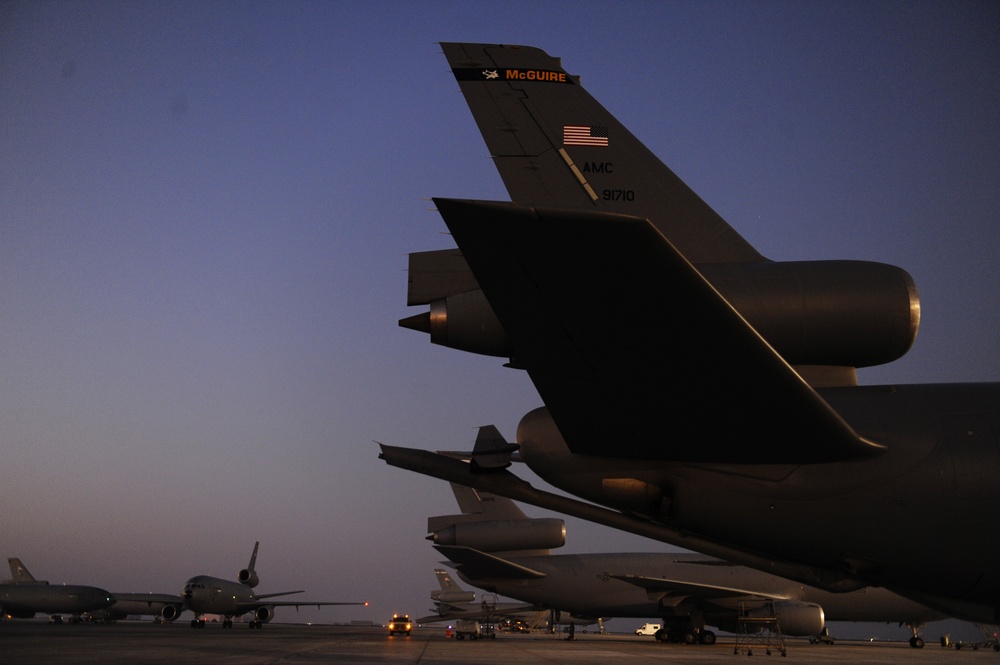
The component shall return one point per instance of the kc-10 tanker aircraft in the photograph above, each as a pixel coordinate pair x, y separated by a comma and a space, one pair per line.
205, 594
699, 392
498, 548
22, 596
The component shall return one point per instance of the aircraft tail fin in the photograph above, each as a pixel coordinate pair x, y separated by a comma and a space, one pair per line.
253, 557
18, 572
444, 580
495, 524
451, 595
556, 146
481, 506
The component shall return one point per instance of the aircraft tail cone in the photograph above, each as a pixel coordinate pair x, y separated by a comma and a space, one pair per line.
419, 322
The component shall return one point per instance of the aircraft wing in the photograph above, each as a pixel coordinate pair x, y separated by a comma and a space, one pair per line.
280, 593
478, 565
634, 353
250, 607
664, 589
504, 609
263, 600
504, 483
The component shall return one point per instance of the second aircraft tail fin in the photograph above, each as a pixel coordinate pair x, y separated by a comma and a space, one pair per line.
19, 574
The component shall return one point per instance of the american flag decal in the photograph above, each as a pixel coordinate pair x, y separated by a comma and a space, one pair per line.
585, 135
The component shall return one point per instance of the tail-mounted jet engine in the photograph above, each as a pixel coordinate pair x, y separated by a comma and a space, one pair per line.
814, 313
504, 535
248, 577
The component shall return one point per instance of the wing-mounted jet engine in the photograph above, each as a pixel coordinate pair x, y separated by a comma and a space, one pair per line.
494, 525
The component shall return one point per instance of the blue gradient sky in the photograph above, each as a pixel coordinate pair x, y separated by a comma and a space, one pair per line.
205, 211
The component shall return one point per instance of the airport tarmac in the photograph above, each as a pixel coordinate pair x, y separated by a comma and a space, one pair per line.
137, 643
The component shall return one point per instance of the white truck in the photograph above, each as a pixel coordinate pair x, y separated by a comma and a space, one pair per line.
467, 628
648, 629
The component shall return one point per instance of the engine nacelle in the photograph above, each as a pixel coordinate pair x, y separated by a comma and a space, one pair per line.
453, 596
825, 313
464, 321
248, 577
264, 614
170, 612
847, 313
505, 535
798, 618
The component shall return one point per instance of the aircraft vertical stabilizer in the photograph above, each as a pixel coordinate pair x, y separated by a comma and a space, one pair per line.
18, 572
556, 146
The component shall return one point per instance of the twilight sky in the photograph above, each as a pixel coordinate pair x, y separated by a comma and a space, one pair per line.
205, 211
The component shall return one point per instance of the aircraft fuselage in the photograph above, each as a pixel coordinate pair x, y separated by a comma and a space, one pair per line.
25, 600
205, 594
584, 585
943, 454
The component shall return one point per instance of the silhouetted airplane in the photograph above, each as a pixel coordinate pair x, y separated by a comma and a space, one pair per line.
453, 603
698, 390
212, 595
498, 548
23, 596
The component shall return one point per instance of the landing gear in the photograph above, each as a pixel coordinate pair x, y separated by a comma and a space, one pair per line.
684, 634
916, 642
197, 623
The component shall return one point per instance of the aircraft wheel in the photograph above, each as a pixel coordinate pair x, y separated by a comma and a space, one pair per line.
689, 638
660, 635
707, 637
917, 642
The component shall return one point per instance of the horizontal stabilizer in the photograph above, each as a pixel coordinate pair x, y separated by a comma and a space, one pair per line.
620, 333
